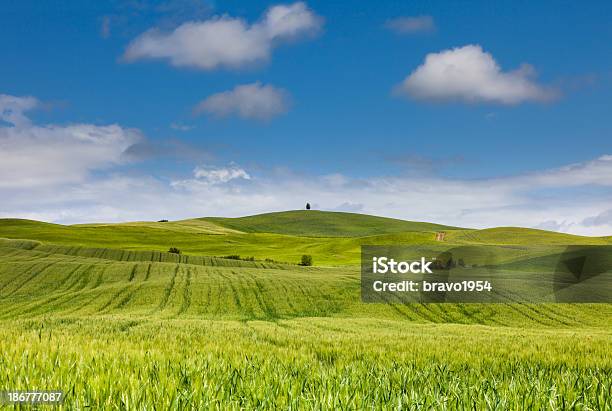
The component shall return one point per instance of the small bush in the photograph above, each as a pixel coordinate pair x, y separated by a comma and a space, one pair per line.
174, 250
162, 221
306, 260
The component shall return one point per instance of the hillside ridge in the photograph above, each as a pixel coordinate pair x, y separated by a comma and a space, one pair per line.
315, 223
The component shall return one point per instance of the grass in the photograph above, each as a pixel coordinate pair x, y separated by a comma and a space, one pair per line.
197, 237
313, 223
523, 236
162, 236
35, 284
310, 363
104, 313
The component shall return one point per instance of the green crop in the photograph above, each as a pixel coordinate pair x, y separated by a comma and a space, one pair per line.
105, 314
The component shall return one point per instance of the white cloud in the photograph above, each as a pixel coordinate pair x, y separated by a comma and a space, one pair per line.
469, 74
206, 176
12, 109
32, 155
233, 191
602, 219
251, 101
594, 172
181, 127
348, 207
553, 225
227, 191
219, 175
410, 25
69, 174
225, 41
283, 22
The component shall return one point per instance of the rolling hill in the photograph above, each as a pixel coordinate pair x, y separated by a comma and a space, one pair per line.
314, 223
522, 236
331, 238
105, 313
38, 279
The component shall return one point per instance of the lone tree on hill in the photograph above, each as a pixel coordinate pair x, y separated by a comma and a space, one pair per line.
307, 206
306, 260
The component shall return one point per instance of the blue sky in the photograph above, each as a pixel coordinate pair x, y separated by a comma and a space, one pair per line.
331, 97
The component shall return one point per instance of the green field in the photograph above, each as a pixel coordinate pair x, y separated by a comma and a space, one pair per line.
315, 223
104, 313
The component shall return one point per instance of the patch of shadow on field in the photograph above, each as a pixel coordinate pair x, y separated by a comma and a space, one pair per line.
336, 329
16, 276
28, 309
327, 356
133, 273
49, 323
126, 326
263, 337
315, 305
148, 274
541, 312
119, 294
167, 291
35, 273
186, 292
113, 298
87, 302
525, 312
236, 297
134, 289
268, 309
477, 315
414, 308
